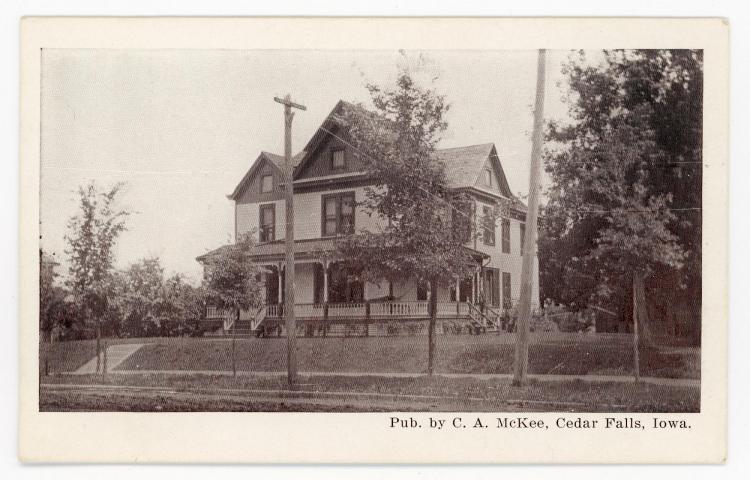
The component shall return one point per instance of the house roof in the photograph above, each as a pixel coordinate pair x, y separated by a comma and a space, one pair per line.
274, 159
463, 165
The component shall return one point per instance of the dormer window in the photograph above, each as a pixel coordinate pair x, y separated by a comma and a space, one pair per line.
338, 160
266, 183
487, 177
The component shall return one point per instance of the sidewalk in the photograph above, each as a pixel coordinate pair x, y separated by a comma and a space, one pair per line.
671, 382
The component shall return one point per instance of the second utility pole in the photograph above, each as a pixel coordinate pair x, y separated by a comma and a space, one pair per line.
529, 246
289, 321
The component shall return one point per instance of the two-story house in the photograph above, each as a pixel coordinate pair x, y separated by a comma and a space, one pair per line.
328, 183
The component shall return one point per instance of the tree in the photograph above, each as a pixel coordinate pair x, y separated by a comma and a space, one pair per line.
92, 234
420, 235
232, 282
624, 204
142, 297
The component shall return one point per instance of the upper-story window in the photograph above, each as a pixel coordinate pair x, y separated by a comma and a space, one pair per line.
487, 177
338, 214
506, 235
522, 234
338, 159
488, 229
266, 183
267, 231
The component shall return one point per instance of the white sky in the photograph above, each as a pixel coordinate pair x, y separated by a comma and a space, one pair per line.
182, 128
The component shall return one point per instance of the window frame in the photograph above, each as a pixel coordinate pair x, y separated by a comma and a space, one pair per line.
262, 178
338, 217
505, 233
262, 231
333, 157
488, 226
488, 177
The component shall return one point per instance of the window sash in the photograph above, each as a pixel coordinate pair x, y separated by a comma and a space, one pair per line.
506, 235
488, 232
338, 214
338, 159
267, 231
266, 183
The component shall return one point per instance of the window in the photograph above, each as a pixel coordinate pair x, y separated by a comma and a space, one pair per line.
488, 177
488, 232
461, 219
506, 235
338, 214
507, 301
422, 292
338, 160
266, 183
267, 223
523, 235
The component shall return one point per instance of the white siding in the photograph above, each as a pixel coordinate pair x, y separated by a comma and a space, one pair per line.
307, 215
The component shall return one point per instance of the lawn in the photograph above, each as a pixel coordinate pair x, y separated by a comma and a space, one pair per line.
550, 354
245, 393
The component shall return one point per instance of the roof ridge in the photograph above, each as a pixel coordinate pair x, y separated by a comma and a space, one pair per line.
465, 146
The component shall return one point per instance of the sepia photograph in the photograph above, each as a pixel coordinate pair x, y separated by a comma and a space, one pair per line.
500, 231
335, 240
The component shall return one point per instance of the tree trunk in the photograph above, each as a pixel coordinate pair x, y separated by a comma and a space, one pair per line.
98, 344
234, 339
431, 329
640, 294
636, 354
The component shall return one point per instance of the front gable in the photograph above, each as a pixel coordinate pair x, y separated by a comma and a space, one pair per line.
320, 162
249, 189
491, 176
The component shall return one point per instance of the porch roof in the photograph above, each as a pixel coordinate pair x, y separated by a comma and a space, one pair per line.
307, 249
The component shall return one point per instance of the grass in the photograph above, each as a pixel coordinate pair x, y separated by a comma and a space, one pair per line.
550, 354
224, 393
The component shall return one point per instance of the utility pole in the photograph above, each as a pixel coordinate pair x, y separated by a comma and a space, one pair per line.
529, 247
289, 321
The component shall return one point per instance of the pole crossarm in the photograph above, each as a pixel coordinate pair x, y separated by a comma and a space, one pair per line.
286, 101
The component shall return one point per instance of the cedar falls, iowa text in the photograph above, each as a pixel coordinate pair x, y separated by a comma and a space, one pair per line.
530, 423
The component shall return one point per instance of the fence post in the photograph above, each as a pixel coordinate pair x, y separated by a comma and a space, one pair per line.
367, 318
104, 362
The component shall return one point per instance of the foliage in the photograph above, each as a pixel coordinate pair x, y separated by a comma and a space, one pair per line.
420, 235
396, 144
232, 279
626, 179
92, 234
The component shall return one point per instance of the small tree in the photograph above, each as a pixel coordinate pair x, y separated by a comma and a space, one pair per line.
419, 238
47, 297
232, 282
92, 235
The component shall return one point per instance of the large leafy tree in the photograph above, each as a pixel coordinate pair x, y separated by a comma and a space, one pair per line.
416, 238
624, 204
232, 281
92, 235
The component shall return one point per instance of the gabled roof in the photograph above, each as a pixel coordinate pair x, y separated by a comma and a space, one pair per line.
463, 165
275, 160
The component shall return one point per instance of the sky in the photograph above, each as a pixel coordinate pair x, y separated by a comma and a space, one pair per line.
181, 128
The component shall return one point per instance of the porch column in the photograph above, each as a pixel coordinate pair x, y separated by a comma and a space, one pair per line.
281, 284
325, 281
458, 290
474, 288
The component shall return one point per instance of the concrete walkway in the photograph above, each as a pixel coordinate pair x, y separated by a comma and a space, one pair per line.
116, 354
672, 382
